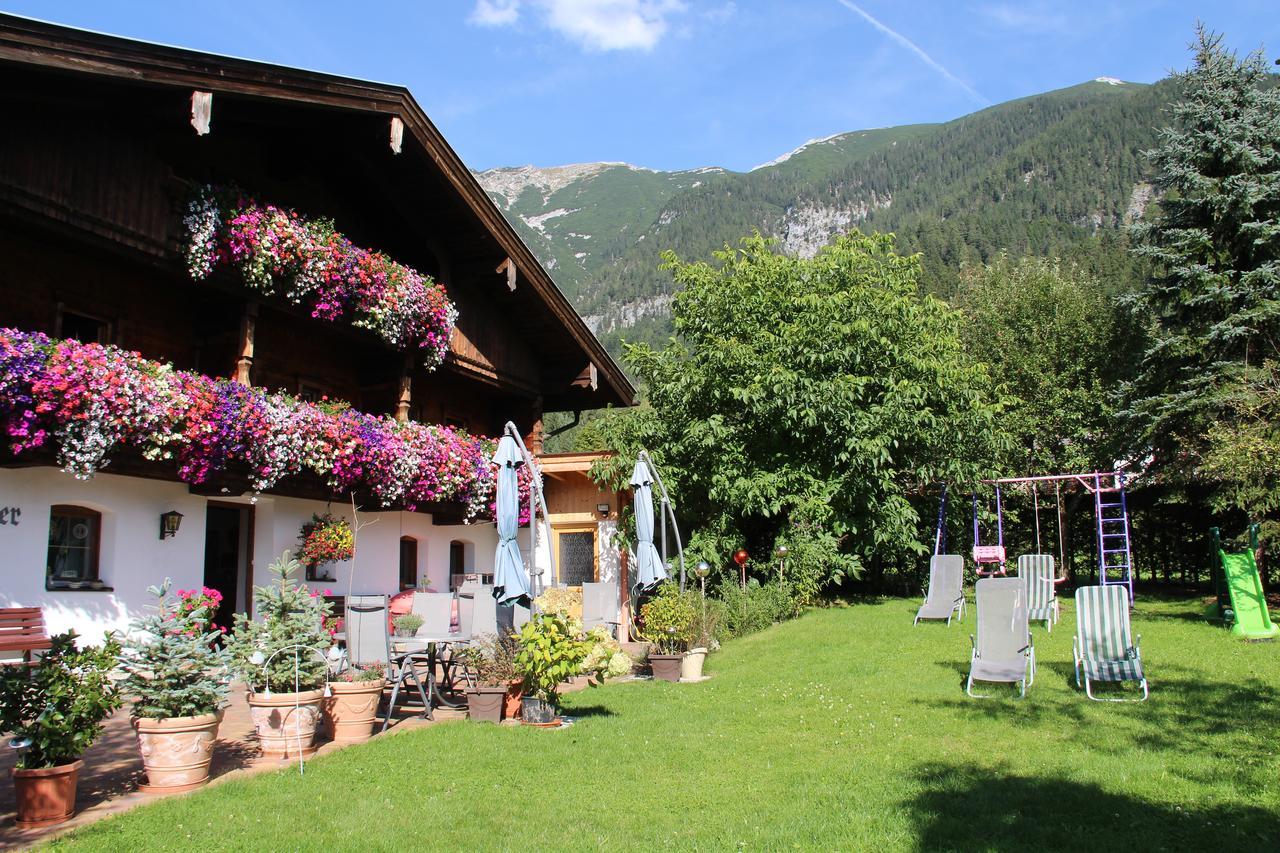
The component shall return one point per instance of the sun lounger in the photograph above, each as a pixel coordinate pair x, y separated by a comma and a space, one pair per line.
1042, 592
1002, 648
945, 596
1103, 648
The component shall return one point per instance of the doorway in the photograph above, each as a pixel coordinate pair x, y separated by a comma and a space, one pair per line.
228, 566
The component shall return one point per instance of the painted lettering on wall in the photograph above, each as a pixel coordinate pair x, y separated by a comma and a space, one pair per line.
10, 515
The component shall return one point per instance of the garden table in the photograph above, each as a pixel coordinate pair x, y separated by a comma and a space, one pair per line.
433, 646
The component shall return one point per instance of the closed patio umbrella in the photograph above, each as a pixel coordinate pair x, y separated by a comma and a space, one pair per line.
649, 569
510, 581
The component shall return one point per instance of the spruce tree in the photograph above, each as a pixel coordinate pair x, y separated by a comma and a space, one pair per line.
173, 667
263, 651
1213, 300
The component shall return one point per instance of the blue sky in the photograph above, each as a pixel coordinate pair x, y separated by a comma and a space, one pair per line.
674, 84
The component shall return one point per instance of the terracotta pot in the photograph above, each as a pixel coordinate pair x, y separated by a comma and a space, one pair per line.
45, 795
666, 667
351, 712
536, 712
511, 705
485, 703
691, 666
176, 751
285, 721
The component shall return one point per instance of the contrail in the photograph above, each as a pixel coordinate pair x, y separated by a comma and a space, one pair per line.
914, 48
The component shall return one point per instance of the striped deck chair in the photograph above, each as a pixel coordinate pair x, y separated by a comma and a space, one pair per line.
1002, 649
1102, 646
1042, 593
945, 596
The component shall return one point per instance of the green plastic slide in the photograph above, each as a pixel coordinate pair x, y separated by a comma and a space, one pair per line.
1250, 619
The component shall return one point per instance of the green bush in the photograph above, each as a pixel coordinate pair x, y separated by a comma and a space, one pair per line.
762, 605
668, 619
54, 711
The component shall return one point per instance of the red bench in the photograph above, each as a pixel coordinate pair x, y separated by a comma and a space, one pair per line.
22, 630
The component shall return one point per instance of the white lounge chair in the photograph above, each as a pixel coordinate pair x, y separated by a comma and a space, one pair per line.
945, 596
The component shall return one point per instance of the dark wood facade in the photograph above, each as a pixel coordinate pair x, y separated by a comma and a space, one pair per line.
98, 160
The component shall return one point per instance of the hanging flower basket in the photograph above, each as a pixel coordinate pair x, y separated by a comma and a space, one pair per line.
324, 539
274, 249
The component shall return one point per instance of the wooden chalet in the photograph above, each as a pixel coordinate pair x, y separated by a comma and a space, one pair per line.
105, 142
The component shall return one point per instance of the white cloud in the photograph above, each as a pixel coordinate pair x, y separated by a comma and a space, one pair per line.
495, 13
595, 24
914, 48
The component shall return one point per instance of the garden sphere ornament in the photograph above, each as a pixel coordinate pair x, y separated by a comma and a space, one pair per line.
740, 557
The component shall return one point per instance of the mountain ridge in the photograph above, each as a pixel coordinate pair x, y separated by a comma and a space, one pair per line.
1040, 174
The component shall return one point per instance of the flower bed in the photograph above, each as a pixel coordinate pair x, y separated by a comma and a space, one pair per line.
274, 248
89, 400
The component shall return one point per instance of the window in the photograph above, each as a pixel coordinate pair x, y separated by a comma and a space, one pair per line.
408, 562
83, 328
577, 563
74, 534
309, 392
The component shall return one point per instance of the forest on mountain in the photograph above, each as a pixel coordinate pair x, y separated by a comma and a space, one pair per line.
1080, 281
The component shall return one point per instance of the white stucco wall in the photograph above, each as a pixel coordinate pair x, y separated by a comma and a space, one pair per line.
132, 556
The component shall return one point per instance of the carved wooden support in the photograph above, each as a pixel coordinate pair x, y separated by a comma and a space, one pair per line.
406, 390
509, 267
248, 325
588, 378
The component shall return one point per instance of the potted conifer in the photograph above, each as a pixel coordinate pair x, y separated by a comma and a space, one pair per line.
282, 660
53, 713
177, 678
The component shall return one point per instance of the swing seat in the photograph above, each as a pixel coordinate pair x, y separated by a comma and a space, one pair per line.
988, 554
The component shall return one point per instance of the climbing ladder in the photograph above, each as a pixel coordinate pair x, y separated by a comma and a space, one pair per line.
1115, 558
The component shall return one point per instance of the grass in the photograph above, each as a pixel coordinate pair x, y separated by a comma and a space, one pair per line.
847, 728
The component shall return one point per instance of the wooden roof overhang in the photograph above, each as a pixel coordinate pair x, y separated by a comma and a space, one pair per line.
431, 196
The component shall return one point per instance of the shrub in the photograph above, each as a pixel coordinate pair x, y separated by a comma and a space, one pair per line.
172, 665
754, 610
407, 624
491, 659
551, 651
668, 619
54, 712
606, 658
361, 673
564, 602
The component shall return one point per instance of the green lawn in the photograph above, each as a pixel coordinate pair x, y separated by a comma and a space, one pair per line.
847, 728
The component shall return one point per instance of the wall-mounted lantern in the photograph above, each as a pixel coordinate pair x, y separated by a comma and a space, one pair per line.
169, 523
603, 509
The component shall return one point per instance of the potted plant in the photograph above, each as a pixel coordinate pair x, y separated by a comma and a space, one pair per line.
407, 624
324, 539
281, 659
351, 709
54, 712
550, 650
491, 662
702, 632
176, 677
668, 624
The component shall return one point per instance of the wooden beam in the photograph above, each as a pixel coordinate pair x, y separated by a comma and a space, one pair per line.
248, 327
509, 267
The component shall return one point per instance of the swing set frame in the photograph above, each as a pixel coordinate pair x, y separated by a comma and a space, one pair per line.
989, 555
